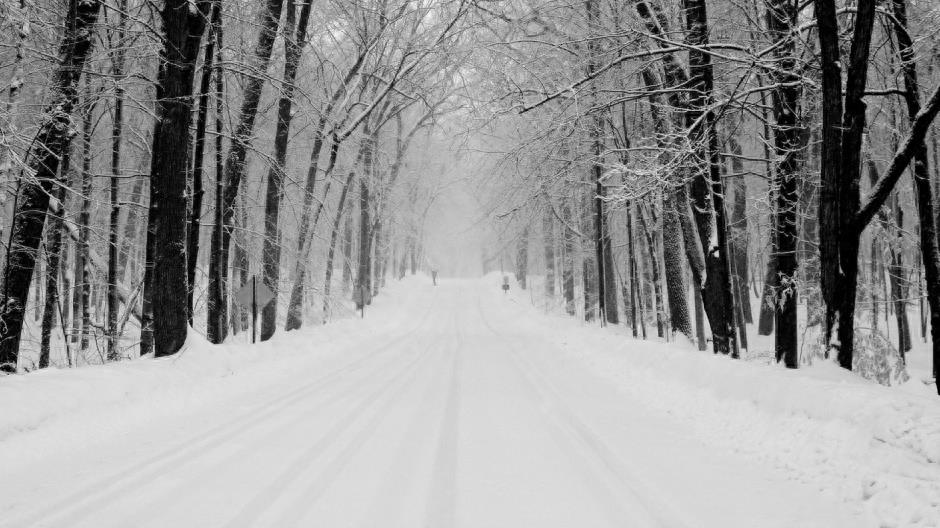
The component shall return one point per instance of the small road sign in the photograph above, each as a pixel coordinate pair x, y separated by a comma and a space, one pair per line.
254, 294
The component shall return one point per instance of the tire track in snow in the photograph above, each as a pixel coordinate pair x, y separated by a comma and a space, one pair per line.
442, 499
370, 409
415, 443
295, 512
91, 496
587, 444
287, 421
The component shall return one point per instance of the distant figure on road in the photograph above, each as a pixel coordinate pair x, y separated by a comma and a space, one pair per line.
434, 276
505, 283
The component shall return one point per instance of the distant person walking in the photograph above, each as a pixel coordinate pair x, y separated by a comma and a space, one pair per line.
434, 276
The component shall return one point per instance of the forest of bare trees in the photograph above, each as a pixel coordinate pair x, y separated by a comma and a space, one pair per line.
706, 170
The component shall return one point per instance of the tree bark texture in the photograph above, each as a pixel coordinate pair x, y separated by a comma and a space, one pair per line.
32, 201
183, 28
235, 163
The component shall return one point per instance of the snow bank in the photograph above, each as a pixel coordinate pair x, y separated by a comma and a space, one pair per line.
855, 440
55, 406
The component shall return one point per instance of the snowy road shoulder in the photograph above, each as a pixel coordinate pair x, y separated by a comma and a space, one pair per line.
872, 447
97, 403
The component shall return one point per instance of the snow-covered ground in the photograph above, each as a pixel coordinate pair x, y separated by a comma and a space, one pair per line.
458, 405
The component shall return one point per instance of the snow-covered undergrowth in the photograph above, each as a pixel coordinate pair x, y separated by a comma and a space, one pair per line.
854, 440
44, 410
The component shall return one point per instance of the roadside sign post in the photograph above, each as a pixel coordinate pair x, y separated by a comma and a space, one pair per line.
253, 296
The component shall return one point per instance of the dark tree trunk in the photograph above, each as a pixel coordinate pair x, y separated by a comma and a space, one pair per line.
146, 310
235, 164
841, 216
129, 238
655, 278
589, 277
839, 193
241, 316
548, 242
765, 323
631, 271
347, 254
929, 241
82, 317
271, 251
363, 295
522, 257
607, 311
739, 232
54, 266
202, 118
340, 210
32, 202
305, 242
216, 305
699, 320
117, 131
707, 189
183, 28
568, 260
899, 289
609, 278
675, 271
788, 143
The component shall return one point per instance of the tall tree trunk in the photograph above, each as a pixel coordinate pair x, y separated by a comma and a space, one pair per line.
129, 238
216, 304
202, 118
739, 232
765, 322
601, 238
340, 212
788, 136
675, 272
146, 308
568, 259
241, 316
609, 279
235, 164
699, 319
117, 131
81, 321
183, 28
842, 217
631, 271
271, 251
651, 250
305, 240
839, 193
19, 16
707, 189
522, 257
32, 200
548, 242
347, 252
54, 265
363, 290
589, 278
929, 236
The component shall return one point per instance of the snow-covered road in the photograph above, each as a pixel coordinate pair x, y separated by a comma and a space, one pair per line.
452, 416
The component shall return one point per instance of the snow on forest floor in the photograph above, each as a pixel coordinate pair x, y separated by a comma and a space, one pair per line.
548, 422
